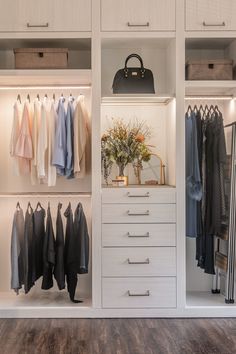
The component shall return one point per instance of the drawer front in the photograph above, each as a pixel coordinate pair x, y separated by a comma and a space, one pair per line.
210, 15
157, 195
114, 235
138, 15
145, 261
140, 213
139, 292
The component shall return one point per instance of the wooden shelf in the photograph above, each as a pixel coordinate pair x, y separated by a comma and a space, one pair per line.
65, 77
136, 99
210, 88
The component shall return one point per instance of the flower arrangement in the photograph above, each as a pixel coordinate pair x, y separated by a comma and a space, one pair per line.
124, 143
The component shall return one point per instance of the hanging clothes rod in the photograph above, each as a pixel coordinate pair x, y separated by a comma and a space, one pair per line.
46, 195
53, 87
209, 97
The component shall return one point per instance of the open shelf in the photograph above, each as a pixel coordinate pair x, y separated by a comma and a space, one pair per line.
45, 77
46, 299
136, 99
205, 299
210, 88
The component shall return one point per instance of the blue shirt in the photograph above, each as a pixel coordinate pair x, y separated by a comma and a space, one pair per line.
59, 152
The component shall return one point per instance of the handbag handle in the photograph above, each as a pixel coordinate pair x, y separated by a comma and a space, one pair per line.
141, 64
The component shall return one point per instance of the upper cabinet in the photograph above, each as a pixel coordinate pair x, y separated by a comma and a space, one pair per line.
45, 15
138, 15
210, 15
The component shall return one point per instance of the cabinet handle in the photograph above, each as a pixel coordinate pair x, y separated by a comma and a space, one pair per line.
138, 214
145, 235
147, 24
146, 195
147, 293
147, 261
208, 24
37, 26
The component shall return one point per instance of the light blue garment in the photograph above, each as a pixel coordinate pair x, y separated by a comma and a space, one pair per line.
193, 177
59, 152
70, 141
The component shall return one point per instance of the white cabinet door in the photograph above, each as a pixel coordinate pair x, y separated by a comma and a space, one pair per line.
25, 15
72, 15
210, 15
45, 15
138, 15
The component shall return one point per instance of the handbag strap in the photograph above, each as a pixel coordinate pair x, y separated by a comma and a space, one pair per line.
140, 60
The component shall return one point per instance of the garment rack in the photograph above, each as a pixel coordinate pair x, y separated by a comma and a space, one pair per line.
45, 194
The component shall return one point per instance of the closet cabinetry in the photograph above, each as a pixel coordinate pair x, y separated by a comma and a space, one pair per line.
139, 254
138, 15
45, 16
210, 15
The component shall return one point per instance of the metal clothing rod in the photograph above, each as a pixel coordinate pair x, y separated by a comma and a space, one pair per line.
209, 97
46, 195
35, 87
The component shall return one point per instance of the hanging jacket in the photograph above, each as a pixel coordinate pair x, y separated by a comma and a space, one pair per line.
59, 271
48, 253
70, 255
39, 234
17, 251
81, 240
29, 250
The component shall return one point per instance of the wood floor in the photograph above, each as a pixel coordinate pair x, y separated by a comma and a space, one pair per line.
118, 336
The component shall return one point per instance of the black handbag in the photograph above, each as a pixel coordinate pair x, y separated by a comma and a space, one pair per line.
133, 80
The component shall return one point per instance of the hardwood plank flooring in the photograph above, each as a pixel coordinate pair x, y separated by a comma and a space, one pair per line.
118, 336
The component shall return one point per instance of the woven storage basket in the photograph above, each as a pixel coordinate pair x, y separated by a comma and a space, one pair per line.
209, 69
41, 58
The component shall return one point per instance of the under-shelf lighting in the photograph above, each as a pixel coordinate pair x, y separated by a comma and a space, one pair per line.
45, 87
229, 97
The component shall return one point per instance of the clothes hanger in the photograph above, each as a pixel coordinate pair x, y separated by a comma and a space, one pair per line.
18, 98
39, 206
18, 206
38, 97
54, 97
189, 110
29, 207
28, 97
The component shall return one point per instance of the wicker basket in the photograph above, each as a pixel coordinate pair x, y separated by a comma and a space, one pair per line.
209, 69
41, 58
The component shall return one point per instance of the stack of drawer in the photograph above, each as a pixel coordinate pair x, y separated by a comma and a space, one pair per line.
139, 253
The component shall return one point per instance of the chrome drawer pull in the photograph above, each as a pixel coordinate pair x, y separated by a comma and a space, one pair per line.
147, 261
147, 24
146, 195
145, 235
138, 214
147, 293
37, 26
221, 24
